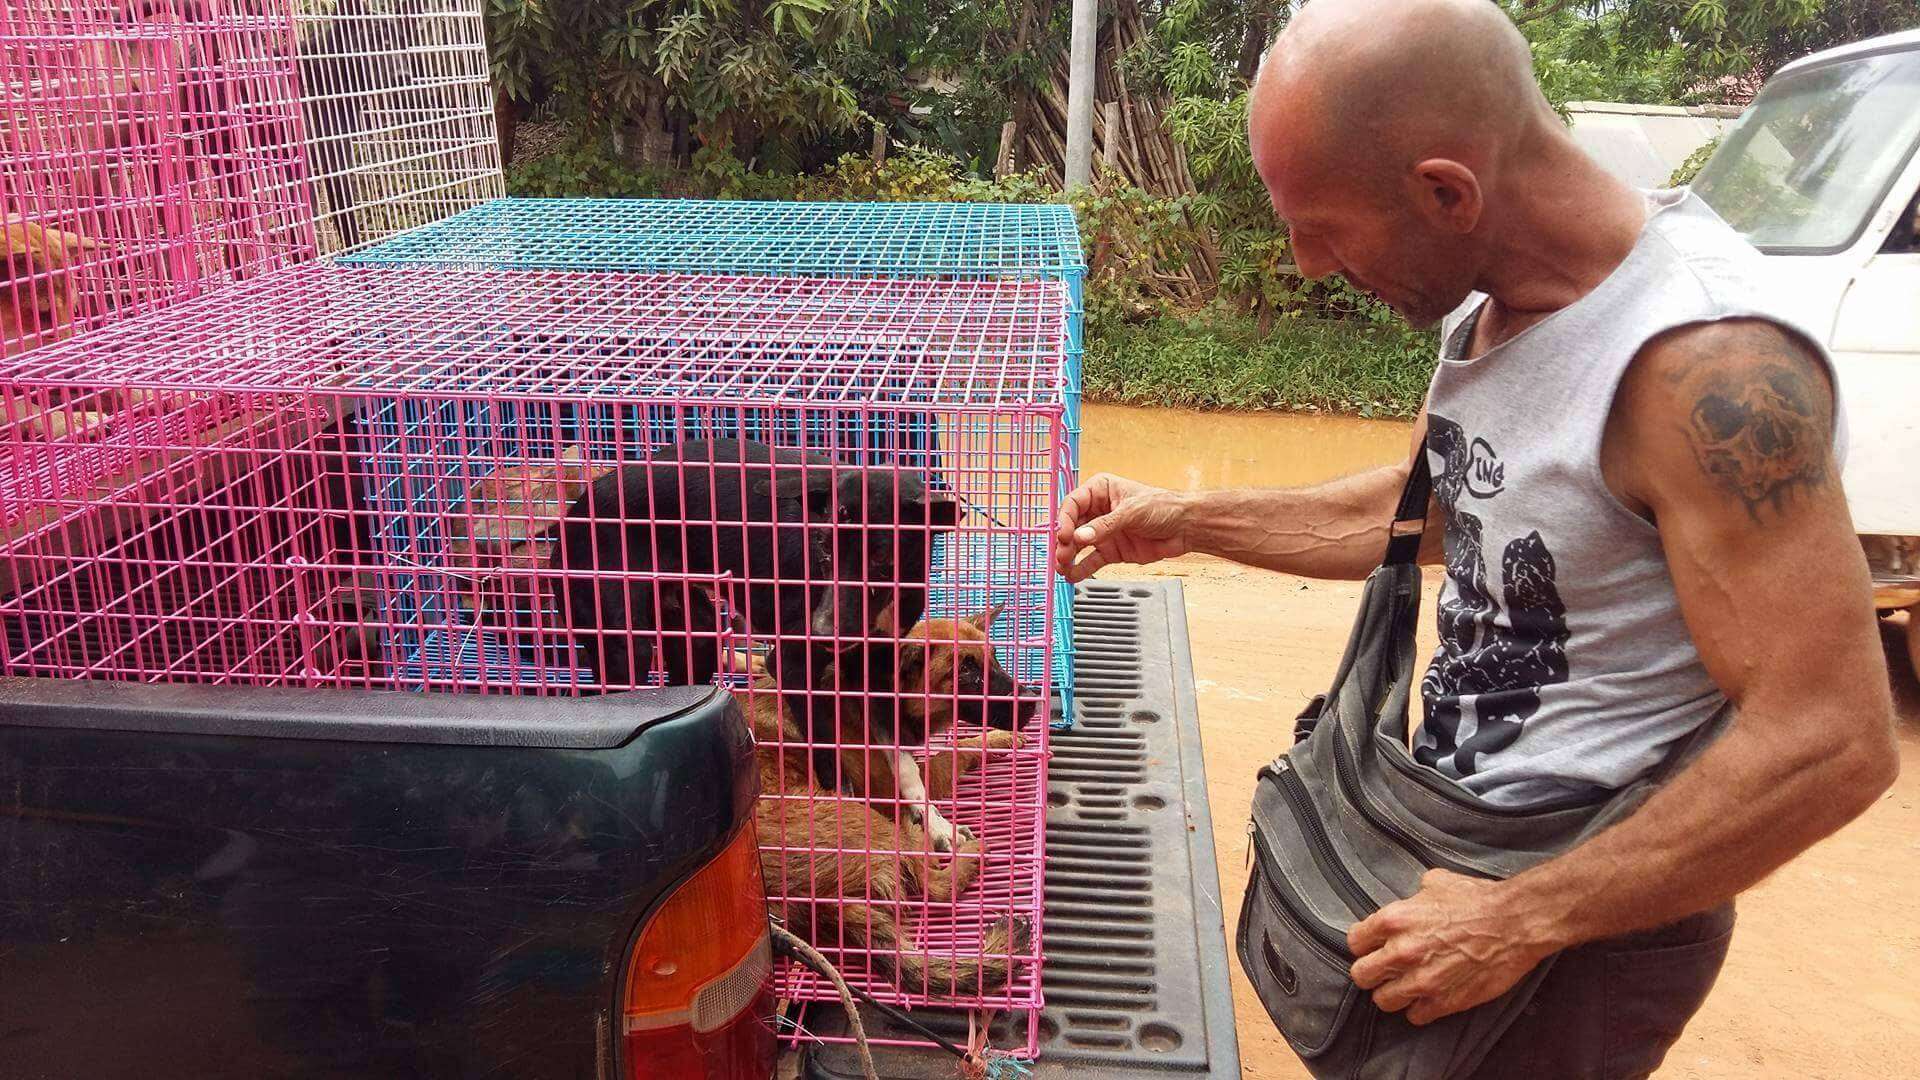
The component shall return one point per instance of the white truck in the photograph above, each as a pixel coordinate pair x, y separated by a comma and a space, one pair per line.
1822, 174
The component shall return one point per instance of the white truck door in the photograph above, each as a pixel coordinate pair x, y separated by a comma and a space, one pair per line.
1876, 350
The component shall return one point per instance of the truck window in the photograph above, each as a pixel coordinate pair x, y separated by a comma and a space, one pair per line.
1905, 237
1817, 153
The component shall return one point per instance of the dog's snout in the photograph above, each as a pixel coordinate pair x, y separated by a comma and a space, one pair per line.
842, 614
1003, 713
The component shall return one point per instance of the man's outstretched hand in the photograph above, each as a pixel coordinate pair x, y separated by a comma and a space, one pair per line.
1112, 520
1453, 945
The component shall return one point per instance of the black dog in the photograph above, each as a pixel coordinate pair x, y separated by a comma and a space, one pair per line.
831, 560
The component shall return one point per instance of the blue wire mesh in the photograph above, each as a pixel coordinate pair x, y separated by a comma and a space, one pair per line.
801, 239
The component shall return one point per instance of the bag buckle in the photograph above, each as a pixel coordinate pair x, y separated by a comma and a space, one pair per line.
1309, 718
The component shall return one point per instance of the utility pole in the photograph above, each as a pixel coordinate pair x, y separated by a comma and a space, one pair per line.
1086, 24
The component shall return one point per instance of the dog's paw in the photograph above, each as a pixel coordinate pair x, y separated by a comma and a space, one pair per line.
946, 836
969, 845
1014, 932
943, 840
1022, 933
960, 838
1004, 740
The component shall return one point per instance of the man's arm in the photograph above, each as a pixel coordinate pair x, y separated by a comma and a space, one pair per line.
1721, 435
1335, 530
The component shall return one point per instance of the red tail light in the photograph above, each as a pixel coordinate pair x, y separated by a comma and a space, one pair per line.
699, 985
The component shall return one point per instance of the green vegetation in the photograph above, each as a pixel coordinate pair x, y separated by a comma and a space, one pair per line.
1690, 168
1219, 359
1192, 295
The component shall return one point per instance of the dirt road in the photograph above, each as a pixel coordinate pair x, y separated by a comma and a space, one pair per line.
1824, 976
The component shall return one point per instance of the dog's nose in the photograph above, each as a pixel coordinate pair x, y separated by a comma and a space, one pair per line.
841, 615
1002, 714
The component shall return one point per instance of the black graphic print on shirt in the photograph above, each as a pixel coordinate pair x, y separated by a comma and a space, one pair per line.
1485, 681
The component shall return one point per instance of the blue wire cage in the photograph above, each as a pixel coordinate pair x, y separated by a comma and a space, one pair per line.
504, 369
950, 241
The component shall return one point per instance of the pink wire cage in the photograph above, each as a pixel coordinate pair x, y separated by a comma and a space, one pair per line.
352, 476
222, 461
399, 113
148, 152
152, 149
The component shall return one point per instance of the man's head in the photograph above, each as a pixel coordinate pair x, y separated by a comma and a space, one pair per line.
1387, 132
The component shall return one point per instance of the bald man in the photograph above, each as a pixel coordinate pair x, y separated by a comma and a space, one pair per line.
1636, 501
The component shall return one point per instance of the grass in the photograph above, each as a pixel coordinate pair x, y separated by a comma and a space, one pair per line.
1216, 359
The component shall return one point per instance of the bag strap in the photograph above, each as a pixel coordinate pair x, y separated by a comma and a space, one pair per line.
1410, 517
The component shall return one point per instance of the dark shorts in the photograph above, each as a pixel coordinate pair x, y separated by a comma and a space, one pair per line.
1610, 1010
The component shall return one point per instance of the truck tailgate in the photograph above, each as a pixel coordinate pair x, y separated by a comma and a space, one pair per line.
233, 882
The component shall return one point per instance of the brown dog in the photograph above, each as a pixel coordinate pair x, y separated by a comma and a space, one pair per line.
36, 308
36, 302
842, 852
504, 532
948, 673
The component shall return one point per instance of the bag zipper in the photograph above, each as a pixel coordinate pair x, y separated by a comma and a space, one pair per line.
1321, 844
1329, 942
1349, 779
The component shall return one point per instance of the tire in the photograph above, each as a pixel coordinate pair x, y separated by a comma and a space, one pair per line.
1913, 639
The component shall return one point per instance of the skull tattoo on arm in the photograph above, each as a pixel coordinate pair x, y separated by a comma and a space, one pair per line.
1761, 423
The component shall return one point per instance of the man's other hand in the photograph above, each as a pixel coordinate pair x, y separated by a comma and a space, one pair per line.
1112, 520
1452, 945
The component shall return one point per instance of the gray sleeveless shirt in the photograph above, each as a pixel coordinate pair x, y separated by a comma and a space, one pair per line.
1564, 665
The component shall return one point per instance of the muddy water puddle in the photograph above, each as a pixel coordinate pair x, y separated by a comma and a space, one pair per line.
1192, 450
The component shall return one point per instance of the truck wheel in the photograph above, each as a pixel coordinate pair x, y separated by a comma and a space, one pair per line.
1913, 639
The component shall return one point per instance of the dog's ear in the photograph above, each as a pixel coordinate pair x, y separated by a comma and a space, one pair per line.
74, 242
886, 621
575, 477
811, 488
912, 665
983, 622
54, 247
943, 510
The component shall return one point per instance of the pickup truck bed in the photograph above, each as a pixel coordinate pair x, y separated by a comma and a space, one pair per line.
380, 890
1136, 977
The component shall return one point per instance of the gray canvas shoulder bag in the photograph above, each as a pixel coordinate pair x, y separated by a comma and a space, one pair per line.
1346, 822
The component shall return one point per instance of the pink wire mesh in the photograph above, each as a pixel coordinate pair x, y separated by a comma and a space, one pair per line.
356, 476
252, 468
147, 152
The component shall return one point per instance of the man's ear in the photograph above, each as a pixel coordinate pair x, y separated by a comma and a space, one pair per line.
1446, 195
